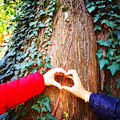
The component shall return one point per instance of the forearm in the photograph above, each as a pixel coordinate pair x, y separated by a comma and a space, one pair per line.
20, 90
85, 95
105, 107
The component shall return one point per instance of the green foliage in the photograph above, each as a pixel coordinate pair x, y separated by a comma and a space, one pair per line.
66, 116
43, 106
108, 92
103, 43
20, 63
109, 23
65, 8
114, 68
106, 15
97, 27
50, 117
103, 62
118, 85
99, 54
27, 52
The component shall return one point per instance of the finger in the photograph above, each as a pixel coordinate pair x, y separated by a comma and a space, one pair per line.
75, 75
59, 70
56, 84
69, 76
69, 89
71, 72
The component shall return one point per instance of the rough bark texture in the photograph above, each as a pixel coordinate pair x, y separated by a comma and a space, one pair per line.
73, 47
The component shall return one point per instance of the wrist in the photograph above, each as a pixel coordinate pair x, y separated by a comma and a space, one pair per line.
87, 96
45, 79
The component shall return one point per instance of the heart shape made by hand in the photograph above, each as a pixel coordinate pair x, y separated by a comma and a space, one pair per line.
64, 80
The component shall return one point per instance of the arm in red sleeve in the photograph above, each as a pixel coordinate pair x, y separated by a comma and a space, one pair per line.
20, 90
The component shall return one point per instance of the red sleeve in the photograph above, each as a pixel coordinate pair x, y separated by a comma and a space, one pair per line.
20, 90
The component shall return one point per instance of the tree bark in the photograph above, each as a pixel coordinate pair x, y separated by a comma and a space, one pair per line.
73, 47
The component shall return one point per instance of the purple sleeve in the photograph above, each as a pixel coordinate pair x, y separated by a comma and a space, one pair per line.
105, 107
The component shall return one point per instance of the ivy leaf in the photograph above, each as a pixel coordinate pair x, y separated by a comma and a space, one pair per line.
117, 33
33, 23
103, 62
43, 118
7, 66
117, 58
47, 59
34, 70
11, 53
48, 20
118, 5
48, 43
110, 40
99, 54
89, 3
118, 84
114, 68
41, 12
101, 6
43, 109
24, 112
40, 63
91, 9
100, 1
41, 25
47, 105
2, 62
96, 18
50, 6
47, 65
3, 116
104, 43
35, 33
109, 23
97, 27
52, 9
102, 13
43, 72
50, 117
36, 107
14, 78
113, 6
30, 62
6, 75
30, 16
50, 14
111, 51
118, 27
38, 117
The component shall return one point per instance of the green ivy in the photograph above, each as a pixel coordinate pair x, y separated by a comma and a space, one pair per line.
106, 15
27, 52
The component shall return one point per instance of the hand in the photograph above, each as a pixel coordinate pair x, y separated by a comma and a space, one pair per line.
49, 77
78, 89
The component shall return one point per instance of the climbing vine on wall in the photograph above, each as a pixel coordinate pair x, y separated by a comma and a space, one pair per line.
27, 48
106, 15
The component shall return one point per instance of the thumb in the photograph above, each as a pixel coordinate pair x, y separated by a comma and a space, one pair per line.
56, 84
67, 88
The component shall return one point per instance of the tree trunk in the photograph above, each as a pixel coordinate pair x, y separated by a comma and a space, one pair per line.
73, 47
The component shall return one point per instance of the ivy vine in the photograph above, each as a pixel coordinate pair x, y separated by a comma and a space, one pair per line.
27, 51
106, 15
